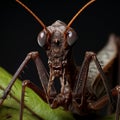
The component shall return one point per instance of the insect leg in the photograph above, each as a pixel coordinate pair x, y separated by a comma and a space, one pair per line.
19, 70
118, 99
118, 107
104, 79
28, 83
103, 100
43, 75
50, 83
82, 78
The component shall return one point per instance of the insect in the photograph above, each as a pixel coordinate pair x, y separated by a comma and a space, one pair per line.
10, 108
78, 86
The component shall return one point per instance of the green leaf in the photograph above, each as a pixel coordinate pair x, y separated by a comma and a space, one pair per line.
11, 106
7, 113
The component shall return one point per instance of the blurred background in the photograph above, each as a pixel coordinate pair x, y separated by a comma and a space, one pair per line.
19, 30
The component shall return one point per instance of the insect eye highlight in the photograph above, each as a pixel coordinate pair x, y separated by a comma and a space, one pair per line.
70, 34
71, 37
42, 38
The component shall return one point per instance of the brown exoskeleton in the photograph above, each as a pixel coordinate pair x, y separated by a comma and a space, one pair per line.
81, 89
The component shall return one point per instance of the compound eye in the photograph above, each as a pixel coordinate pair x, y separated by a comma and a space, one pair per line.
71, 37
42, 38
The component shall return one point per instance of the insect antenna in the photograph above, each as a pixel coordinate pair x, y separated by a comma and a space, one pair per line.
76, 15
33, 14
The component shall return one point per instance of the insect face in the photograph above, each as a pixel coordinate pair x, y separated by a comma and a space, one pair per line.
57, 44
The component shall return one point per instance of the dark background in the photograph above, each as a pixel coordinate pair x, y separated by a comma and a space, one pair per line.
19, 30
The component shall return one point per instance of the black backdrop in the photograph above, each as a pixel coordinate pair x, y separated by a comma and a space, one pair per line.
19, 30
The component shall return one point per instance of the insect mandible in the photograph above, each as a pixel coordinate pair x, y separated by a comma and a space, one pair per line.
77, 92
